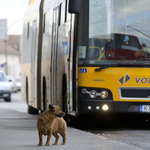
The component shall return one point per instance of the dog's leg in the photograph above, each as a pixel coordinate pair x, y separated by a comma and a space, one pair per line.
56, 138
48, 139
64, 138
40, 138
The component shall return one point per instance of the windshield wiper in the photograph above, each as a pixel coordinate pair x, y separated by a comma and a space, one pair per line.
121, 64
147, 59
107, 66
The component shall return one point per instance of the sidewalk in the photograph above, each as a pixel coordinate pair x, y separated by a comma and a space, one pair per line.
18, 132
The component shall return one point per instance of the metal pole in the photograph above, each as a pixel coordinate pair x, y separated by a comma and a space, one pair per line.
6, 71
6, 42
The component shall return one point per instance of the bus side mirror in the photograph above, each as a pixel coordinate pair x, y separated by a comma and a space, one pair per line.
74, 6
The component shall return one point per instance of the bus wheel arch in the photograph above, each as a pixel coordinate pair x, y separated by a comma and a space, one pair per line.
30, 109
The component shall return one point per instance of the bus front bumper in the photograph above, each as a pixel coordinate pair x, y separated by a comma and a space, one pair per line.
91, 106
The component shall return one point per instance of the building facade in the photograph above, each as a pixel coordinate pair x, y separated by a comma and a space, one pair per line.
10, 55
9, 59
3, 29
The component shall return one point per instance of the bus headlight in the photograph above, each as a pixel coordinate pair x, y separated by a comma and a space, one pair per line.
105, 107
93, 94
104, 94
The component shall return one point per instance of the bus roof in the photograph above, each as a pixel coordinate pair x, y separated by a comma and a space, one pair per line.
32, 10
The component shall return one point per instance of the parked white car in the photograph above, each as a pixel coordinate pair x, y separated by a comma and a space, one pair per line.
18, 83
5, 87
12, 82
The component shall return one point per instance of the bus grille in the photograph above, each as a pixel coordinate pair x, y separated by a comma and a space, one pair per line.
134, 93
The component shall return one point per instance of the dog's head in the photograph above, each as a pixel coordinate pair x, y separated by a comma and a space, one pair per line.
56, 110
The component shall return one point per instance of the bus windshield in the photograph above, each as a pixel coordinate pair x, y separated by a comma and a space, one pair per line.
114, 31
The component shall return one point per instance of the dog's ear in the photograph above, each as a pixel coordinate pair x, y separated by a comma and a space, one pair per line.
51, 108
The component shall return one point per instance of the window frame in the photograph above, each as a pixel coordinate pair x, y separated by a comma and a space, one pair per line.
46, 22
62, 13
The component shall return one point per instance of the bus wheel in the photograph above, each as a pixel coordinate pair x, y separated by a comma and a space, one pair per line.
68, 120
8, 99
32, 110
71, 120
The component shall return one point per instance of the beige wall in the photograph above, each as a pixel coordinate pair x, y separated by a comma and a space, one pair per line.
13, 61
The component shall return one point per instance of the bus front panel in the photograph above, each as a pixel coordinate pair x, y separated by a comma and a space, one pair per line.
114, 56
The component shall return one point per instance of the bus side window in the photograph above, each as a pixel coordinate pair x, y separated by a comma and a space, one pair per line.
46, 22
62, 13
68, 15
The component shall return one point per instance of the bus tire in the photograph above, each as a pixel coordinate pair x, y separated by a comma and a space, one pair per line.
27, 90
64, 94
32, 110
69, 120
8, 99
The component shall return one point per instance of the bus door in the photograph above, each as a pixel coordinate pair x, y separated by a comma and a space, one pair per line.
33, 55
72, 72
53, 56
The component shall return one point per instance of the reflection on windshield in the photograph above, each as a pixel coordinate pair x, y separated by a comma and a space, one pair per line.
124, 47
117, 31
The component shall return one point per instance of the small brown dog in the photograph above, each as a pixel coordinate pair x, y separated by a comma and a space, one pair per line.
50, 122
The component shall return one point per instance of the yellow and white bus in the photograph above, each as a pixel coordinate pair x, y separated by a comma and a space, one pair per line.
87, 56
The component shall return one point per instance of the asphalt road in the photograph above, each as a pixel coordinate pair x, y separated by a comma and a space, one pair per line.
133, 130
16, 103
18, 132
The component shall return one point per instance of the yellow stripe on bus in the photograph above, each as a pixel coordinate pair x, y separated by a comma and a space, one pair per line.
109, 78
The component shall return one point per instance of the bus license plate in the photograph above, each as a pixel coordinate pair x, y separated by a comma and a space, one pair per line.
144, 108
